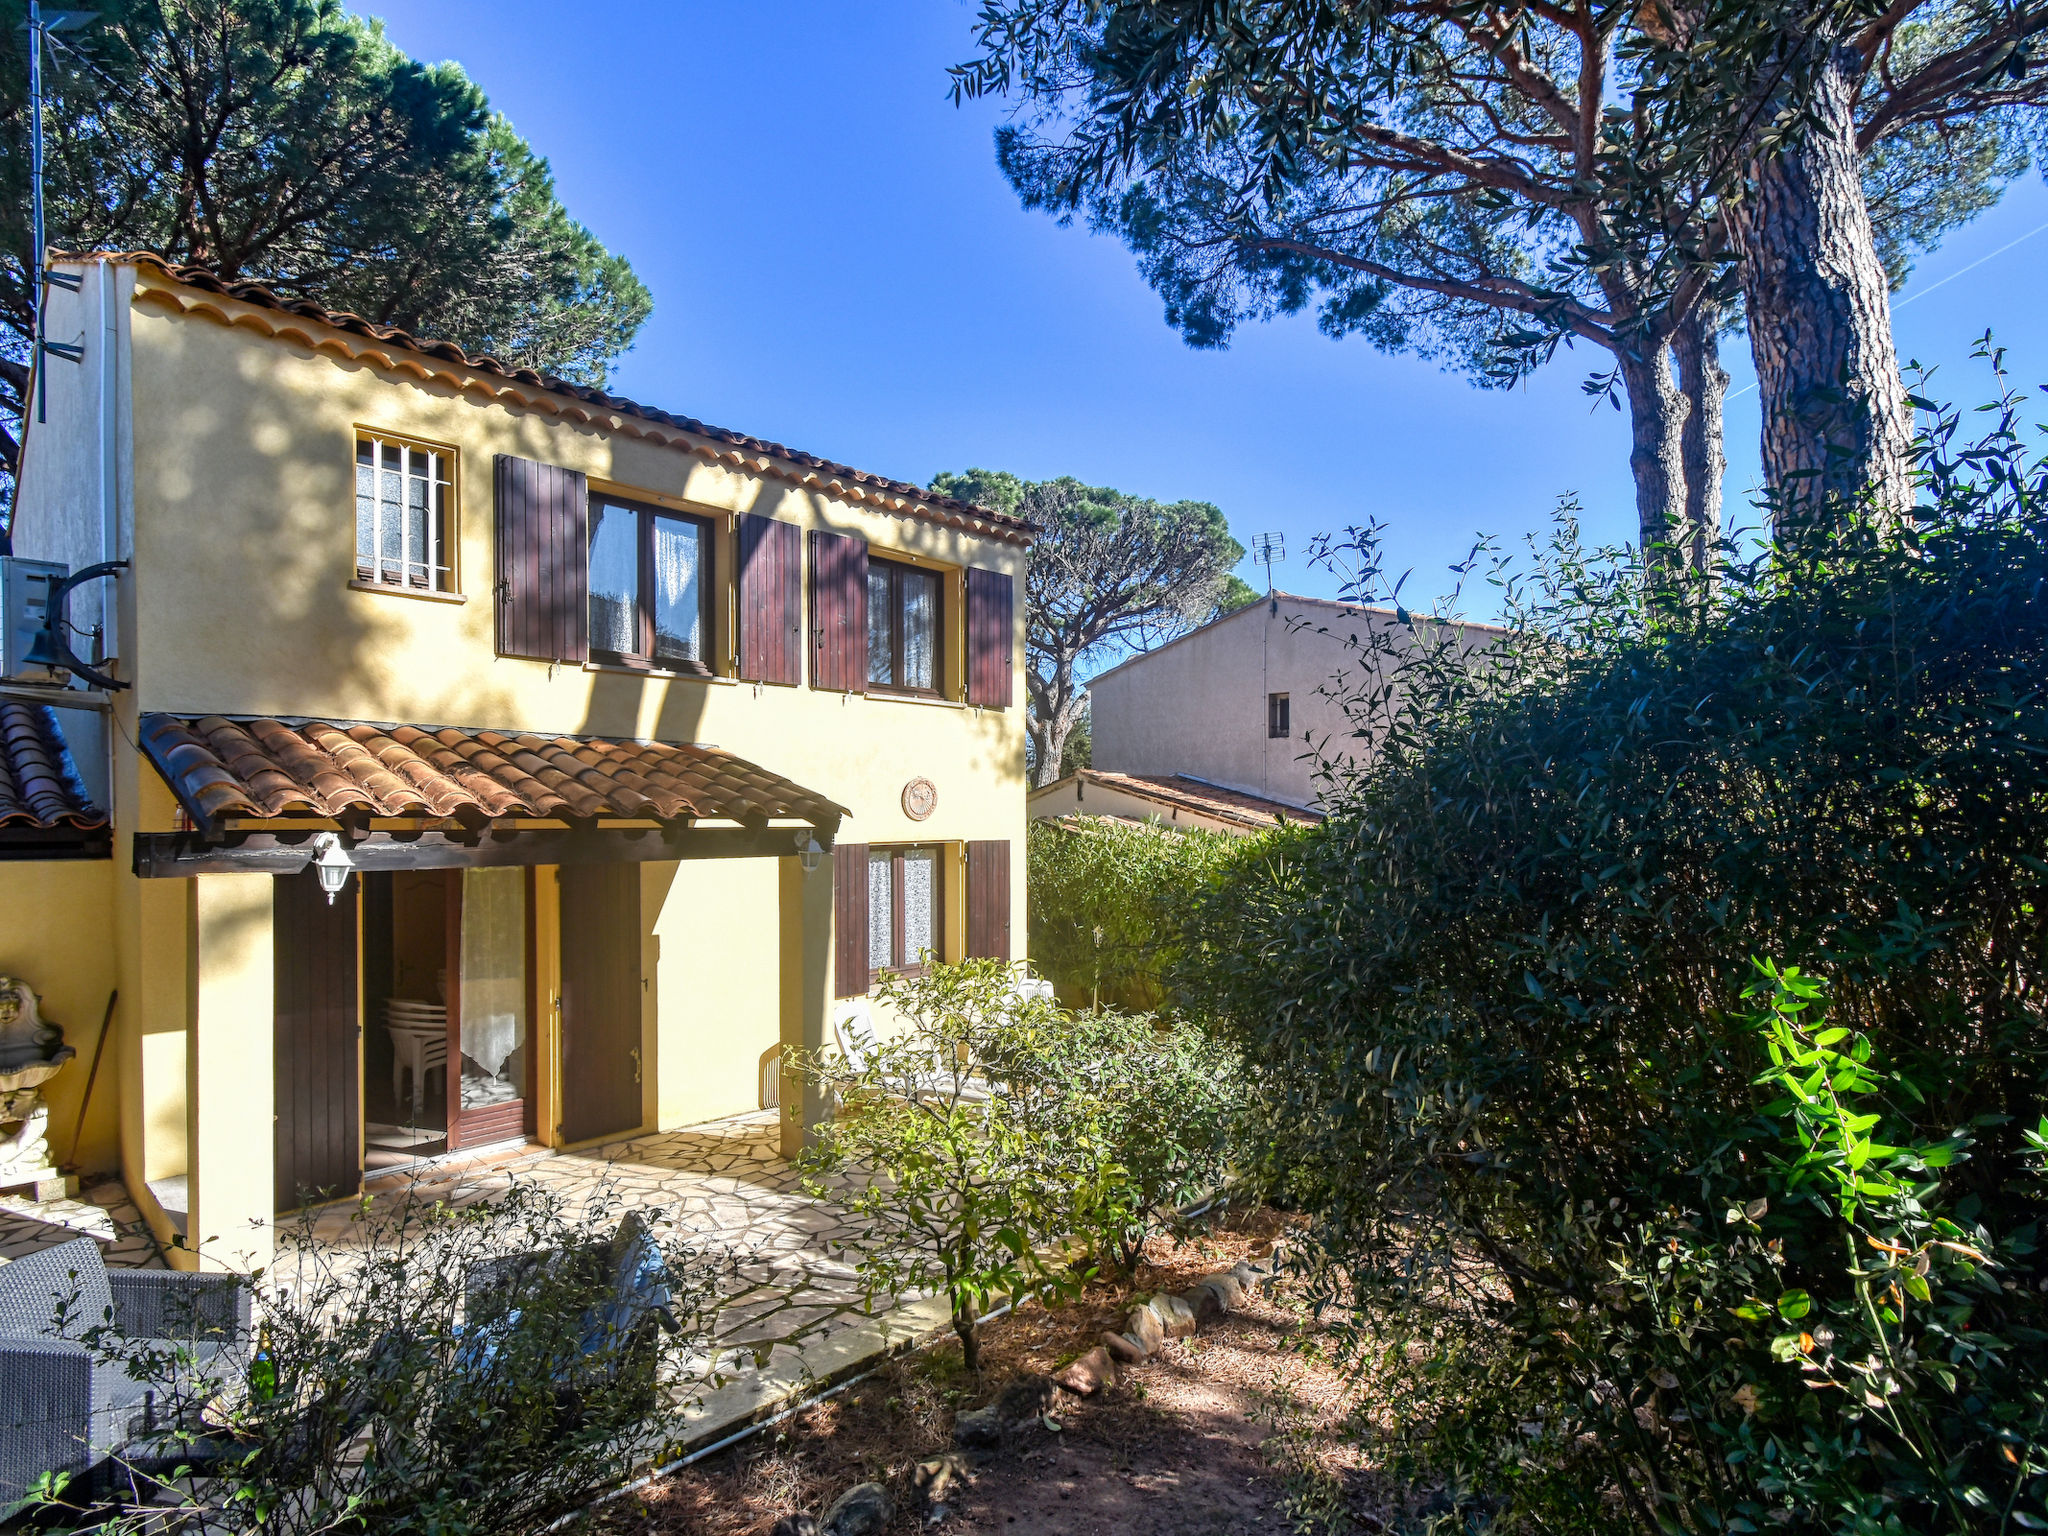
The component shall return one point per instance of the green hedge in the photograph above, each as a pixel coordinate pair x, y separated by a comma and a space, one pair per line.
1495, 1015
1102, 895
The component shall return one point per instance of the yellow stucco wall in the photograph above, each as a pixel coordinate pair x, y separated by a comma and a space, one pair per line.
223, 456
228, 1073
56, 933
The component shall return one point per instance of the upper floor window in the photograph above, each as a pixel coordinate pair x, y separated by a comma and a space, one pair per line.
1277, 722
650, 586
402, 500
903, 627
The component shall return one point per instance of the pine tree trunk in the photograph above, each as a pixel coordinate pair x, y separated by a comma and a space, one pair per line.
1656, 411
1819, 311
1704, 383
1055, 707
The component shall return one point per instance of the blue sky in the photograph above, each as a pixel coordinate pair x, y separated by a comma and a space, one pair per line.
837, 265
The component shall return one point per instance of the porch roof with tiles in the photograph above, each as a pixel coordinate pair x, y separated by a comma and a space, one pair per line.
223, 768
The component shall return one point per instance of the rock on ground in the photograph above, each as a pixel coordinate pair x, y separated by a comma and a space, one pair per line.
865, 1509
1089, 1374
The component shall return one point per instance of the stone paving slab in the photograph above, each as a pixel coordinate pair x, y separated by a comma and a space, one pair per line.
104, 1213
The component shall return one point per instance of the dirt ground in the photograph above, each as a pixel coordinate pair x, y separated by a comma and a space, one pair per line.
1230, 1431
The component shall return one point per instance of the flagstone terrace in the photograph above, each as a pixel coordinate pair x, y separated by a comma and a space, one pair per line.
724, 1185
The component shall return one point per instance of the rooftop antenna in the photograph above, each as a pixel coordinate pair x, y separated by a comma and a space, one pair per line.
1271, 550
42, 28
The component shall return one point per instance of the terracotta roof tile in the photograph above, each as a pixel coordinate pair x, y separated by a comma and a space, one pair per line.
39, 783
189, 275
1204, 799
223, 767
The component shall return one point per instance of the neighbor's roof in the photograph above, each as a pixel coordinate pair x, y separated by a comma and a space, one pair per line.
1189, 794
1307, 607
805, 468
39, 784
263, 767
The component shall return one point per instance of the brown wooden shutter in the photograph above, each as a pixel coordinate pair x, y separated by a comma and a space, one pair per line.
850, 920
988, 898
314, 1042
543, 533
771, 600
990, 638
839, 612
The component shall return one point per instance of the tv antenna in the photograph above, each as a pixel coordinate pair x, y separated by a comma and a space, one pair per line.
42, 28
1270, 549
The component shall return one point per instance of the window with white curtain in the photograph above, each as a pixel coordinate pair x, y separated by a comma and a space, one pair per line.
905, 929
403, 497
650, 586
903, 627
493, 986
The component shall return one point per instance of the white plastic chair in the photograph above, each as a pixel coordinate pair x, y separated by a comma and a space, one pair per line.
417, 1051
853, 1028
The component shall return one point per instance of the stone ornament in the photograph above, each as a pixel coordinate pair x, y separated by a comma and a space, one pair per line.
31, 1053
920, 799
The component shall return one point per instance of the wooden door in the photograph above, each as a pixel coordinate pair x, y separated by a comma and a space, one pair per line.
317, 1042
601, 992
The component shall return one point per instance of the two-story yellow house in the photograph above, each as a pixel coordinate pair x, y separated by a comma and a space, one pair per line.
628, 744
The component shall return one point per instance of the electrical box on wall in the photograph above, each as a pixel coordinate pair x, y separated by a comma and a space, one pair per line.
24, 610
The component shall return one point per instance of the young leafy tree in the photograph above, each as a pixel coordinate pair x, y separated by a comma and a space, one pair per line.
1110, 572
945, 1154
288, 142
1480, 183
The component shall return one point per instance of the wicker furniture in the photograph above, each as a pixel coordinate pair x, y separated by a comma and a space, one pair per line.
62, 1407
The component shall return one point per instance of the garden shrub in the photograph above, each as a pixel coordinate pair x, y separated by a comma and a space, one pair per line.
1102, 895
995, 1146
1494, 1011
442, 1369
943, 1149
1157, 1102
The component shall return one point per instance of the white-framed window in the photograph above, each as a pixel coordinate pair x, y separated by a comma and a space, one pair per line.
403, 494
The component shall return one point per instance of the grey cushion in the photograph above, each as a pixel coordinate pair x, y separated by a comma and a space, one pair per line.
72, 1277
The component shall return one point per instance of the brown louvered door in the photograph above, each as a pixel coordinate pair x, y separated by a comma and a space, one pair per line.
850, 920
839, 612
771, 600
601, 1066
988, 900
990, 638
543, 575
316, 1042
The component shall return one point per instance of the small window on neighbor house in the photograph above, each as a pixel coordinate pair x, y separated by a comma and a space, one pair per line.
903, 908
650, 585
402, 510
903, 627
1277, 725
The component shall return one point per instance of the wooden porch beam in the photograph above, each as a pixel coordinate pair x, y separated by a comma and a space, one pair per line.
173, 855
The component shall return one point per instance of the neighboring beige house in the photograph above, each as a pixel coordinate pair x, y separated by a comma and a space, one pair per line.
637, 742
1238, 702
1165, 800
